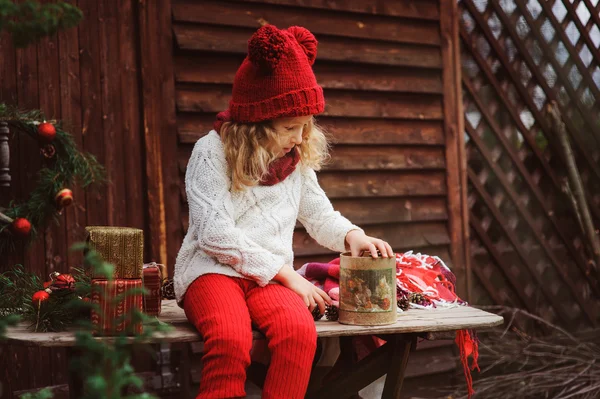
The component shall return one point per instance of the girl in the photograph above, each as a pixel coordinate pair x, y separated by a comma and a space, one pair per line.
247, 183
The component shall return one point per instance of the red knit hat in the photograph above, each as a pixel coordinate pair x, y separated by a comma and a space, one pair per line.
276, 78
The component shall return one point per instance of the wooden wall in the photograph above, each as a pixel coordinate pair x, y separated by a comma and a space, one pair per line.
118, 104
388, 75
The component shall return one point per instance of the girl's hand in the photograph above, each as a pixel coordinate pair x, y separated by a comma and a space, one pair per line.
358, 242
311, 295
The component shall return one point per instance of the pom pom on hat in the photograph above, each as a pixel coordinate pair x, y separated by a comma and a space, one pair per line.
266, 47
307, 41
276, 79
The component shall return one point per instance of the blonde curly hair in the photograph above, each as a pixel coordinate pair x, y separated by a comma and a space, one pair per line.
251, 147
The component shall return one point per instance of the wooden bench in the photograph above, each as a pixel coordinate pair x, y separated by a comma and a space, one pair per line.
390, 359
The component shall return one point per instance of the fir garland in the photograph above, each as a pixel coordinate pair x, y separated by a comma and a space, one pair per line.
57, 313
65, 166
28, 21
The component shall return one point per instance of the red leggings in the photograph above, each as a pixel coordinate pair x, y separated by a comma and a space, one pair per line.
223, 309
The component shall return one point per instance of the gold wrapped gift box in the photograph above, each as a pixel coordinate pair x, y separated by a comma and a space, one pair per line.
121, 246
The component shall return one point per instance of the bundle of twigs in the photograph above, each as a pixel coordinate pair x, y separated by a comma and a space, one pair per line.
557, 365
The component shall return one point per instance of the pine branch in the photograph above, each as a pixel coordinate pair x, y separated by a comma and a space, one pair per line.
28, 21
69, 167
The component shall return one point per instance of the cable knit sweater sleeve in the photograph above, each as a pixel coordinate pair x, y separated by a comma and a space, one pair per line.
211, 209
327, 226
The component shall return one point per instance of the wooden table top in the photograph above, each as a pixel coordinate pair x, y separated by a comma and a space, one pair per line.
411, 321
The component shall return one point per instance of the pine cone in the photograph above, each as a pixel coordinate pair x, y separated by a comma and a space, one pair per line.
403, 303
418, 299
316, 313
168, 290
332, 313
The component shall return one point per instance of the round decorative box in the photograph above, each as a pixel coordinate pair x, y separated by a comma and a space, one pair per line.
367, 290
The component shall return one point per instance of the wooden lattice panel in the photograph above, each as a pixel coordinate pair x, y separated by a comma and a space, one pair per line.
518, 57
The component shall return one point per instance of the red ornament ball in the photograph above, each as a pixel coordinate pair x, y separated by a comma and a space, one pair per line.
62, 281
40, 297
46, 132
21, 227
64, 198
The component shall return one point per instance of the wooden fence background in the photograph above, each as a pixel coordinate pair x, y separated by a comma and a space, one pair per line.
518, 56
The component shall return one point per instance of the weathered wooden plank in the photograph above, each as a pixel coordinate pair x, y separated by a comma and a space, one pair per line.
376, 158
365, 131
451, 60
365, 184
48, 78
30, 163
422, 9
412, 235
367, 211
54, 235
411, 321
75, 218
383, 184
133, 165
29, 156
215, 98
220, 69
319, 22
160, 137
385, 158
92, 117
111, 101
391, 210
227, 40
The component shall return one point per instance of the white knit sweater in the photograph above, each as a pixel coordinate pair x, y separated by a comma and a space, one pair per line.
248, 234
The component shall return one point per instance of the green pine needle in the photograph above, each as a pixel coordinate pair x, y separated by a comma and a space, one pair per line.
28, 21
68, 168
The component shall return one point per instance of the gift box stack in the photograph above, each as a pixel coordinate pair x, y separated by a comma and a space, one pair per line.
124, 248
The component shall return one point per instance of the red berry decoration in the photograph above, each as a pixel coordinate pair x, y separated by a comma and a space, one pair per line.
40, 297
64, 198
46, 132
21, 227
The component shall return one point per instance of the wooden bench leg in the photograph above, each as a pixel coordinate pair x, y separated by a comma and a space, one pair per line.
75, 380
399, 359
355, 376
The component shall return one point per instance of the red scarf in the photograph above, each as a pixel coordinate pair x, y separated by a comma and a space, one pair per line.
278, 169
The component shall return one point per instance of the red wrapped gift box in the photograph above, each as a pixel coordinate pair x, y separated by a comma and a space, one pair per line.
109, 320
152, 278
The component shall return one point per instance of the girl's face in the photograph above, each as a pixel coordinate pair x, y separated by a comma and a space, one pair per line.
289, 131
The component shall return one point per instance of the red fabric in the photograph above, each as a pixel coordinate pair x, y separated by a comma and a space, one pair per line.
223, 310
467, 346
276, 78
278, 169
